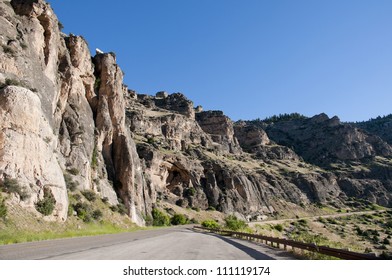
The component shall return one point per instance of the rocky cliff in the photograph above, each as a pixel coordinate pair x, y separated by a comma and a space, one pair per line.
380, 126
67, 116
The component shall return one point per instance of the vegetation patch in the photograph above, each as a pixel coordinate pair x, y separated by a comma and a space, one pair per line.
159, 218
97, 214
3, 207
363, 233
70, 183
8, 49
74, 171
83, 211
46, 205
89, 195
279, 227
60, 25
235, 224
148, 219
97, 84
12, 82
189, 192
210, 224
179, 219
13, 186
120, 208
94, 158
13, 235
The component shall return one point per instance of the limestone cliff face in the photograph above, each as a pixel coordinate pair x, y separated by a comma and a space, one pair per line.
31, 45
220, 128
114, 140
64, 114
201, 164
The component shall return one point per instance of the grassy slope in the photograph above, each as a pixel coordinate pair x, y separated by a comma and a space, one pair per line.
359, 232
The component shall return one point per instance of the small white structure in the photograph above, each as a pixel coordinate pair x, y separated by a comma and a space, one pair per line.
98, 51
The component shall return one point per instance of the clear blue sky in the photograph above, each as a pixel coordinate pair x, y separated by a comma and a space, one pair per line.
248, 58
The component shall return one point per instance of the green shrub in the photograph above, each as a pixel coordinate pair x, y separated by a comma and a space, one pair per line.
89, 195
388, 224
211, 208
151, 140
121, 209
74, 171
189, 192
70, 210
94, 159
83, 211
332, 221
46, 205
159, 218
3, 207
77, 197
114, 208
210, 224
322, 220
97, 83
87, 218
60, 25
71, 185
180, 202
105, 200
97, 214
12, 186
8, 49
303, 222
178, 219
233, 223
386, 255
278, 227
148, 219
12, 82
359, 231
282, 117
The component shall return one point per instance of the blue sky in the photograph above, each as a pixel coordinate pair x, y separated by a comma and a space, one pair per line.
248, 58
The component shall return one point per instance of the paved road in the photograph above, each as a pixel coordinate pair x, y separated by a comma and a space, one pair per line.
161, 244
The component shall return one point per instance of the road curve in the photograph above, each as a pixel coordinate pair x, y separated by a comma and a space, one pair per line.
180, 243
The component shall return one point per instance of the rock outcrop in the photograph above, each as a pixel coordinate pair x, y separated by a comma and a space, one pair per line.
76, 107
220, 128
321, 140
380, 126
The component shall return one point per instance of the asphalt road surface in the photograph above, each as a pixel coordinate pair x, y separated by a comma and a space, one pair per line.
180, 243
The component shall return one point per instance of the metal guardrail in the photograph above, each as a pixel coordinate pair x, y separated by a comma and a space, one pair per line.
333, 252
